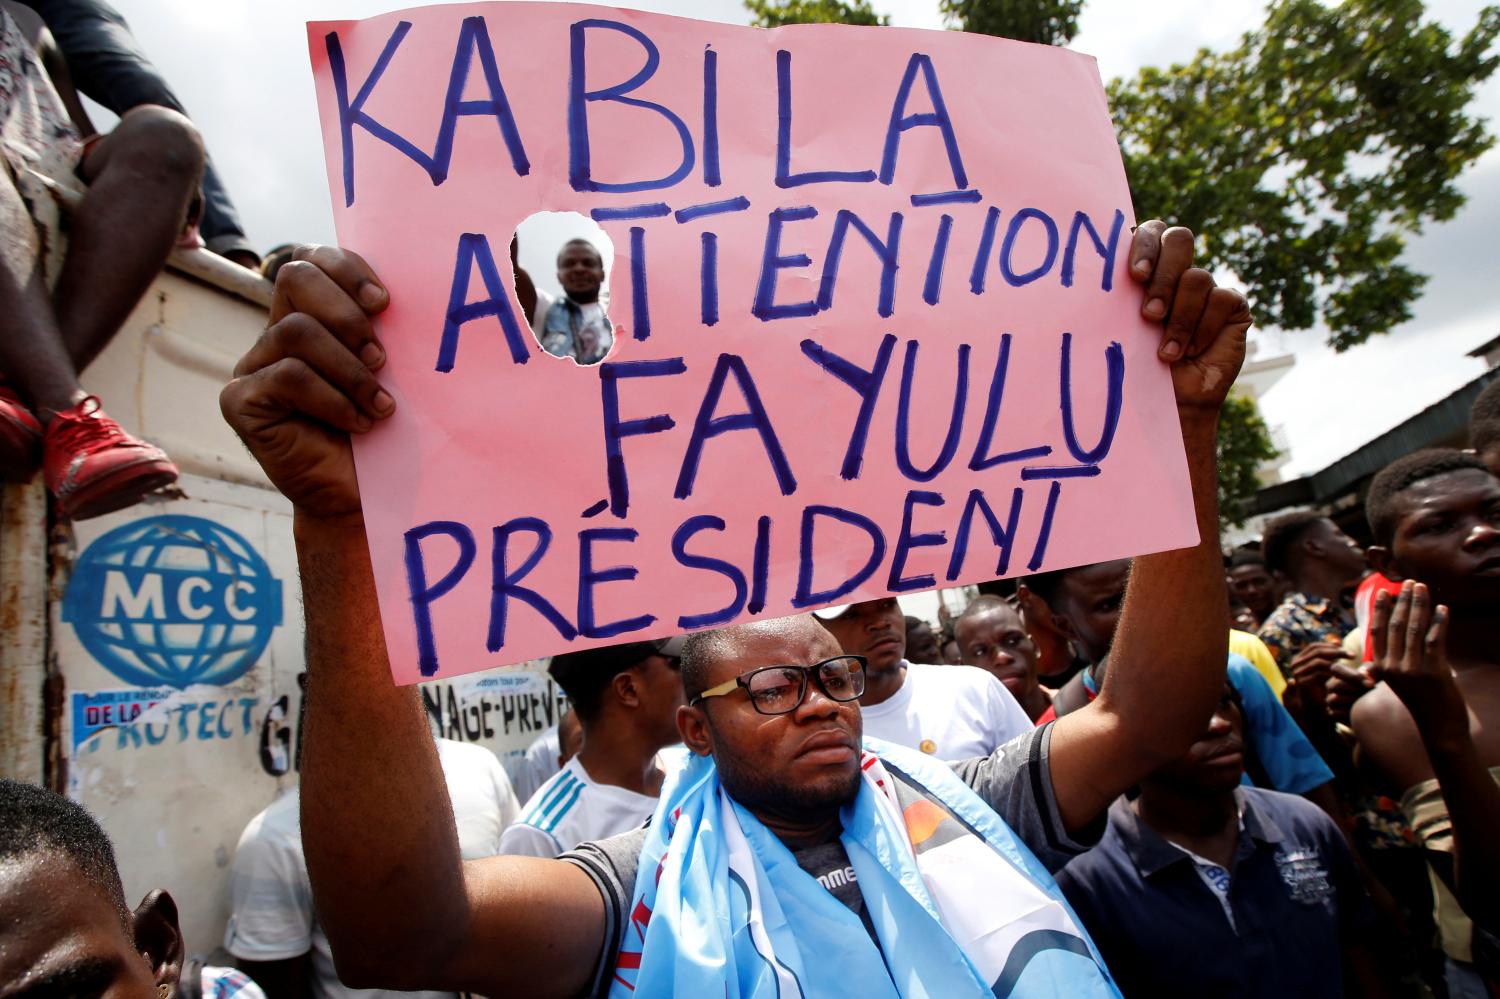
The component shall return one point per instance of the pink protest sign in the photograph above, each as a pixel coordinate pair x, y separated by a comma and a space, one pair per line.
872, 327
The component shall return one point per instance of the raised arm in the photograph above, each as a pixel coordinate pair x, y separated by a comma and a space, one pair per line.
400, 907
1166, 666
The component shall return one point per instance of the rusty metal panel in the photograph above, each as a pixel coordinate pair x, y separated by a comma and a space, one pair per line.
23, 625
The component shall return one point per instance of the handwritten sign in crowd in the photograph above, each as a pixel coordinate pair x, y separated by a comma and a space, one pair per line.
873, 332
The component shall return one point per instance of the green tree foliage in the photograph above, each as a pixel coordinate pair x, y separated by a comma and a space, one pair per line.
1050, 22
1244, 443
775, 13
1305, 156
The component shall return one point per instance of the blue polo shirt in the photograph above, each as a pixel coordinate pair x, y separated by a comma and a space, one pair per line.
1293, 889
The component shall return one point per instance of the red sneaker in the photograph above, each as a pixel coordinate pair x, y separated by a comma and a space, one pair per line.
93, 467
20, 437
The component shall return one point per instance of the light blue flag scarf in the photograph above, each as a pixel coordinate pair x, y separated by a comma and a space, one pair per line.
961, 906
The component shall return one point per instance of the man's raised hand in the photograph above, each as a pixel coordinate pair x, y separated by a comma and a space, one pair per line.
1205, 325
1410, 645
307, 383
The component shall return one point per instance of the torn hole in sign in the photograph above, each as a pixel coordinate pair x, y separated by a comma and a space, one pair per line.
562, 265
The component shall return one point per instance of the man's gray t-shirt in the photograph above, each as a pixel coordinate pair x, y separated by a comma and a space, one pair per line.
1015, 780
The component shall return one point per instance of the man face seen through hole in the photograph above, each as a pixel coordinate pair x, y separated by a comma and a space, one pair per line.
580, 271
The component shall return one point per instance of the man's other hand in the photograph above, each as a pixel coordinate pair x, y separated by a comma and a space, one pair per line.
1204, 325
307, 383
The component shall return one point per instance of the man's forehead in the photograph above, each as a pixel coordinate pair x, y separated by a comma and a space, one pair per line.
574, 249
995, 615
1248, 569
47, 904
1449, 490
1095, 578
790, 640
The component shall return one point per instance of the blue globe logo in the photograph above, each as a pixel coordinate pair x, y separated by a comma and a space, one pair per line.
173, 601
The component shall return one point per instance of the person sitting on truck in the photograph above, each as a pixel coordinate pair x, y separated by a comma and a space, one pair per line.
63, 308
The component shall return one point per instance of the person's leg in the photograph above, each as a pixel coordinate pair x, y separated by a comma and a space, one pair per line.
108, 65
32, 355
141, 177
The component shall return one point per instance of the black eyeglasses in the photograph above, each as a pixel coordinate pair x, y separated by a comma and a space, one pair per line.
779, 690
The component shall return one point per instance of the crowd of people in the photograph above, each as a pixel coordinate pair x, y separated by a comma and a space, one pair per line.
1273, 771
1255, 773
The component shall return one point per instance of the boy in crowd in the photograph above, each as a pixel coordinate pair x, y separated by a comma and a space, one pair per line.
625, 698
951, 712
1089, 599
992, 636
1323, 565
1432, 729
65, 929
1202, 886
1252, 582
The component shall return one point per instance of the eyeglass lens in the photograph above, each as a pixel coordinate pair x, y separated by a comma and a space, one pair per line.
780, 689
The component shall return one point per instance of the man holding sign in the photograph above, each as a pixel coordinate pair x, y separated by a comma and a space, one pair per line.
403, 910
758, 442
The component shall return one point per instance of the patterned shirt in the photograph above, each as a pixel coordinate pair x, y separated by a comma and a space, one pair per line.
1301, 621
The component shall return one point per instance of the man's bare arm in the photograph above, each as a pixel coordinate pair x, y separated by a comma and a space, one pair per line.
1410, 643
1167, 662
400, 907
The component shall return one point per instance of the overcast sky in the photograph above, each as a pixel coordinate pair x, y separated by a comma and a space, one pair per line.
241, 67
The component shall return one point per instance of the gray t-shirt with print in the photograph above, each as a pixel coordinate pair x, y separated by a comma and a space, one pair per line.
1015, 780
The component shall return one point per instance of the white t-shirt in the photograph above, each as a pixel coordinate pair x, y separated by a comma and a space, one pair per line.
271, 898
952, 712
571, 808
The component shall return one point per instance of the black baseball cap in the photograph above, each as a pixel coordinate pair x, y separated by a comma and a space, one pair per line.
587, 669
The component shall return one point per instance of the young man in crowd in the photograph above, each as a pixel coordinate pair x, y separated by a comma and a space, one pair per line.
993, 638
274, 933
626, 699
402, 908
1281, 756
1429, 733
65, 929
1323, 565
576, 325
951, 712
1251, 581
1204, 887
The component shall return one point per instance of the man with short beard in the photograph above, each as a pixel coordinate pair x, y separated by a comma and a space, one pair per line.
718, 902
